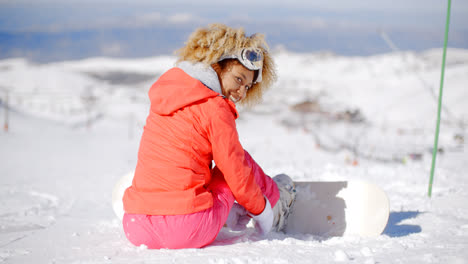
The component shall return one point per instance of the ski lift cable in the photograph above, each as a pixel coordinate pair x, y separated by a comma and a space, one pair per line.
431, 89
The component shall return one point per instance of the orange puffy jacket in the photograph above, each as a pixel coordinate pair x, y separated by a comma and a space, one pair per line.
188, 127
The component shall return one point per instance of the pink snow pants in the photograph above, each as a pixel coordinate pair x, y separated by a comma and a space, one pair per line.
198, 229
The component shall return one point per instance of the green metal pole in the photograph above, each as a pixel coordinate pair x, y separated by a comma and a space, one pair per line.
436, 140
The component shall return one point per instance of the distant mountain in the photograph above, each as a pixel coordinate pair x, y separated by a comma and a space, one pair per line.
164, 39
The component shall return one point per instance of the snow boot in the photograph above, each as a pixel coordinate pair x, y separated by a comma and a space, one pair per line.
283, 207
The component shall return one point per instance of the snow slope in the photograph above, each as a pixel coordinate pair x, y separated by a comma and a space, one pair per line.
74, 129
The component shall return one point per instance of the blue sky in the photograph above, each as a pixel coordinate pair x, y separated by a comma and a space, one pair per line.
72, 14
296, 24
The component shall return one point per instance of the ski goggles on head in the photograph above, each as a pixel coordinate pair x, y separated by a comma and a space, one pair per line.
251, 58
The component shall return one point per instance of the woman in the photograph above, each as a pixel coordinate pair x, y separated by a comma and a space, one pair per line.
178, 198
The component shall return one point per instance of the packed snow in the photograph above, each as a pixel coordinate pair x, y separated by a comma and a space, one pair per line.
71, 129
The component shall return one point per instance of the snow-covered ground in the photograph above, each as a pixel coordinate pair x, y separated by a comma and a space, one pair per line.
74, 127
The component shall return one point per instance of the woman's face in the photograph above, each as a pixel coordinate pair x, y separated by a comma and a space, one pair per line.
235, 81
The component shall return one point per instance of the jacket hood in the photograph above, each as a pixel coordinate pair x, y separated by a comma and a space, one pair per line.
205, 74
183, 86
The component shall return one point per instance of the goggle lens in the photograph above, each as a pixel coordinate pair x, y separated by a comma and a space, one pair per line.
253, 55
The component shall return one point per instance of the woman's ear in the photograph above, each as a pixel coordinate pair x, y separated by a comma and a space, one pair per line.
217, 68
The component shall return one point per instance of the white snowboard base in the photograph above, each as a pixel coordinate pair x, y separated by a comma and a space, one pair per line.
329, 209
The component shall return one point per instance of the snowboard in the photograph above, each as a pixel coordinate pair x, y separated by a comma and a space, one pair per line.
341, 208
322, 209
118, 192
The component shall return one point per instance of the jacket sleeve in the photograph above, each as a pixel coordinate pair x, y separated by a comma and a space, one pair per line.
229, 156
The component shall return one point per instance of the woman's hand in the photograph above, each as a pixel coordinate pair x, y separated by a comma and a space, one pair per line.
238, 218
264, 221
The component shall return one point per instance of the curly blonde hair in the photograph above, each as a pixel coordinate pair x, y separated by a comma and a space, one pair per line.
207, 45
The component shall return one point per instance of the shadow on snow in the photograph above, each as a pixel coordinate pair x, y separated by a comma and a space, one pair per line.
396, 229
